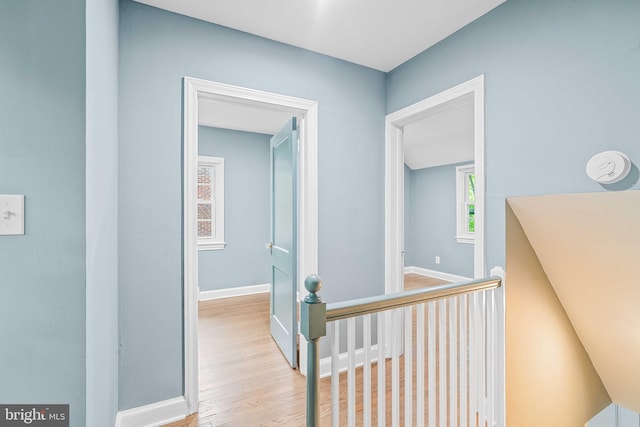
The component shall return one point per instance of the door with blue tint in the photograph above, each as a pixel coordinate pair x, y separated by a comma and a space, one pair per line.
283, 246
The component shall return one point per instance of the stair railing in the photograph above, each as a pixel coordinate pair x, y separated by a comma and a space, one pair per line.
459, 355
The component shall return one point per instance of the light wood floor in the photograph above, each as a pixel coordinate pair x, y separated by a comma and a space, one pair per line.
244, 379
415, 281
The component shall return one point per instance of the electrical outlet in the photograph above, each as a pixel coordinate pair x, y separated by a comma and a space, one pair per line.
437, 260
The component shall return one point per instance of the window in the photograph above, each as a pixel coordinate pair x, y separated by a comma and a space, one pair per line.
210, 209
465, 203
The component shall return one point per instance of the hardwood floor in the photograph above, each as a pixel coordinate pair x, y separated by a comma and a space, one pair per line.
245, 380
415, 281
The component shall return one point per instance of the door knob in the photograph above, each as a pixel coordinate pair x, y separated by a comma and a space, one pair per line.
269, 246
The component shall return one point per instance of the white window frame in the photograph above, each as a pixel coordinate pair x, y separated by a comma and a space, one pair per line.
462, 235
216, 241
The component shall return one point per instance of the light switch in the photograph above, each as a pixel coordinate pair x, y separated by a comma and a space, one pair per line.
11, 214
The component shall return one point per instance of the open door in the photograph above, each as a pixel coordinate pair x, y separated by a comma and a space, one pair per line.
283, 245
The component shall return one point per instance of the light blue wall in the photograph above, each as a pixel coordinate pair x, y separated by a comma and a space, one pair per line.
561, 85
102, 212
433, 213
157, 49
244, 260
42, 155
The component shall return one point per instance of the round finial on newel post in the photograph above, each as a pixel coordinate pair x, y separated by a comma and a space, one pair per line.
313, 283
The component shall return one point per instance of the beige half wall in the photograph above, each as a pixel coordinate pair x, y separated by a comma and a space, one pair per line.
550, 380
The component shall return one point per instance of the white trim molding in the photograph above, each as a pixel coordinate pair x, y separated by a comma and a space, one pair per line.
215, 246
154, 414
307, 113
453, 278
394, 176
234, 292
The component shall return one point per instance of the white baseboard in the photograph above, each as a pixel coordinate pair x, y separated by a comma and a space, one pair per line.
154, 414
233, 292
436, 274
343, 363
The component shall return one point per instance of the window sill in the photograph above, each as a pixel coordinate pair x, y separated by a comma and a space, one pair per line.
465, 240
215, 246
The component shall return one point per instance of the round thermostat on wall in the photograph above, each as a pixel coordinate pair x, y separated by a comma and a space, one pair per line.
608, 167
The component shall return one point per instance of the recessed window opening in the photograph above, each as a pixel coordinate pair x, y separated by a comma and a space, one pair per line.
465, 203
210, 201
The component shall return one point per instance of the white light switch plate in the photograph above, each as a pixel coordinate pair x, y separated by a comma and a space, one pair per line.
11, 214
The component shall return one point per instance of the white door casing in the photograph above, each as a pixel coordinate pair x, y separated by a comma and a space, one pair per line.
394, 177
307, 111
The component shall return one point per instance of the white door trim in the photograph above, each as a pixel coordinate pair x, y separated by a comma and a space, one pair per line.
307, 111
394, 177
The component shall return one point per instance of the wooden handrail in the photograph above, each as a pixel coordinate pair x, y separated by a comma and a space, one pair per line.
362, 306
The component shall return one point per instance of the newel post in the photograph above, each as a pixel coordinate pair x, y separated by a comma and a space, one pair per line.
313, 325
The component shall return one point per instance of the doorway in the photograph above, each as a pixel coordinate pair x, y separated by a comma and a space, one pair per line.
396, 123
246, 100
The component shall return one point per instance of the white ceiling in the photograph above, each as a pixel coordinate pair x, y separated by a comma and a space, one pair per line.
238, 116
379, 34
443, 137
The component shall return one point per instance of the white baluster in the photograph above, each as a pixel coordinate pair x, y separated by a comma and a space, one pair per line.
382, 388
335, 375
431, 363
395, 369
351, 373
442, 361
408, 366
453, 362
420, 365
366, 386
491, 357
464, 361
481, 357
473, 359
